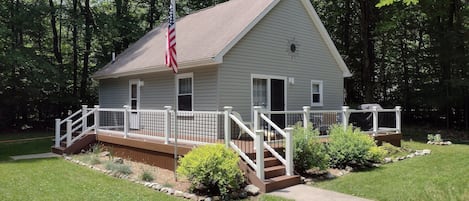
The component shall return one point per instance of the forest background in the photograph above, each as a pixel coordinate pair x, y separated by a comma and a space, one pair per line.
412, 54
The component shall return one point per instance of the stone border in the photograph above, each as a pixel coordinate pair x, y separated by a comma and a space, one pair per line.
249, 189
423, 152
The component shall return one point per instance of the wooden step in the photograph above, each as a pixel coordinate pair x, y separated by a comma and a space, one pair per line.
57, 150
274, 171
252, 156
271, 161
280, 182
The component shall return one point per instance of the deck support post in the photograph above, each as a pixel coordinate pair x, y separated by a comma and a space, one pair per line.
96, 119
69, 132
227, 125
398, 119
57, 132
306, 111
126, 120
256, 120
84, 122
259, 145
375, 120
345, 116
167, 124
289, 151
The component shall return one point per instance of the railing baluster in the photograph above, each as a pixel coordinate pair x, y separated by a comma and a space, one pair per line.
306, 111
375, 120
96, 119
69, 132
259, 144
398, 119
126, 120
84, 122
57, 132
289, 151
227, 125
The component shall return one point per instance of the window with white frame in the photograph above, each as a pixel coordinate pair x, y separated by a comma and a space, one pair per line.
316, 93
184, 91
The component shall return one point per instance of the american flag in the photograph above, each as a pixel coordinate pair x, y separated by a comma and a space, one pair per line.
170, 54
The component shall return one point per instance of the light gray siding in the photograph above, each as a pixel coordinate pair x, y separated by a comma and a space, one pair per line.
264, 50
159, 90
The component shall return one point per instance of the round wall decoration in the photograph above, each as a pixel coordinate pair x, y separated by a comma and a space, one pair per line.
292, 47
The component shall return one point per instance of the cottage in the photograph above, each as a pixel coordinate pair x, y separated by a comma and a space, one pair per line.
248, 70
270, 53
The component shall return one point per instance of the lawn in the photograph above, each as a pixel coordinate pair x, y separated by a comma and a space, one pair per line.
443, 175
57, 179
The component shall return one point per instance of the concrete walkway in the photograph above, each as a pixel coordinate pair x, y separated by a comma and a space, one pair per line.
34, 156
303, 192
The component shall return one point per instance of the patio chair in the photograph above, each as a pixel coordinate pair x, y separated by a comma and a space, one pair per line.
247, 123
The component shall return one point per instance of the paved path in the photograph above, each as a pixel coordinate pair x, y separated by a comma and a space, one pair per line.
303, 192
34, 156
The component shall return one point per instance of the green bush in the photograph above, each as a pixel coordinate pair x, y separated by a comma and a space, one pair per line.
308, 151
351, 147
213, 167
146, 176
118, 168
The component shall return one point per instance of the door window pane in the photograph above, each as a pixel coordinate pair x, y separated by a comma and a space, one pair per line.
259, 92
133, 92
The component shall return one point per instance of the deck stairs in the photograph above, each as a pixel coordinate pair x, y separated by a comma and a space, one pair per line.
84, 142
274, 173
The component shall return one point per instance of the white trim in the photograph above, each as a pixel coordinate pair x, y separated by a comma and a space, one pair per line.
182, 76
268, 78
326, 37
137, 82
321, 93
232, 43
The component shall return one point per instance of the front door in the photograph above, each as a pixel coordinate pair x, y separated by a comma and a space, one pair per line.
277, 101
134, 100
269, 93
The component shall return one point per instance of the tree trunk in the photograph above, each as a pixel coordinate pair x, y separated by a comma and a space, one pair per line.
366, 25
88, 35
55, 37
75, 46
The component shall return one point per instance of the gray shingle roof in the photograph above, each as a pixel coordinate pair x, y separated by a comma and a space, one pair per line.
200, 37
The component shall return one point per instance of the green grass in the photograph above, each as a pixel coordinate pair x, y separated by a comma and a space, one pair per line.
443, 175
25, 135
265, 197
57, 179
8, 149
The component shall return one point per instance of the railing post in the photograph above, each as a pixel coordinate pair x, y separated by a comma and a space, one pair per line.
96, 119
69, 132
375, 120
306, 111
84, 122
126, 120
289, 151
259, 145
167, 123
57, 132
256, 120
345, 116
398, 119
227, 125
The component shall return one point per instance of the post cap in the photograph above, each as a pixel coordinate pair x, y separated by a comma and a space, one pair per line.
84, 106
96, 106
306, 107
228, 107
167, 107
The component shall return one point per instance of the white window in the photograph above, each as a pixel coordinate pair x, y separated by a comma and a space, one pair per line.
316, 93
184, 87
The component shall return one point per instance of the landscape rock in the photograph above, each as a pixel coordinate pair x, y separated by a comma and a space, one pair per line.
387, 160
104, 154
208, 199
118, 160
243, 194
157, 187
251, 190
410, 155
426, 151
170, 191
178, 193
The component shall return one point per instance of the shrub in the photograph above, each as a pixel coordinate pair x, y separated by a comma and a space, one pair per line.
308, 151
118, 168
376, 154
213, 167
351, 147
91, 159
146, 176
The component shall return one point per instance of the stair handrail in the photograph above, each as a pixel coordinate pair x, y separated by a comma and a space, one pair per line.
58, 127
228, 141
71, 116
288, 160
81, 123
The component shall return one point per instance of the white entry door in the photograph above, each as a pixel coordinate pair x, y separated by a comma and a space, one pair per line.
134, 100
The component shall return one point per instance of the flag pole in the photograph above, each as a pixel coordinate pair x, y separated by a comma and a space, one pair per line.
173, 16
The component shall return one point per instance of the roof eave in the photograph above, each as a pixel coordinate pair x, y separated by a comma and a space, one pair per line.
159, 68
